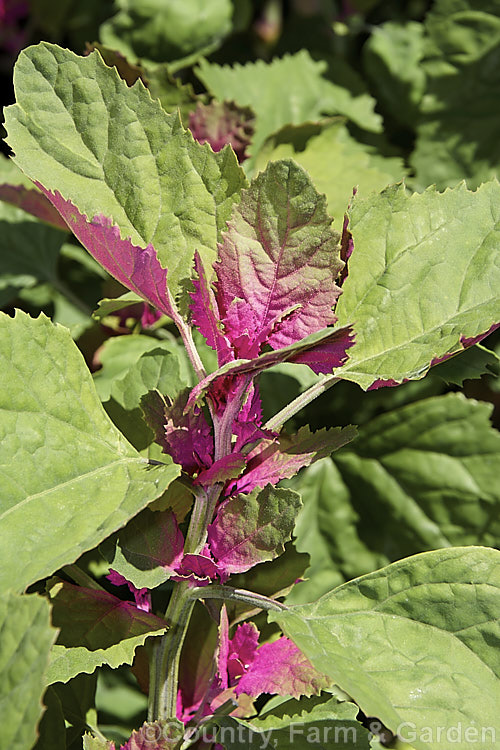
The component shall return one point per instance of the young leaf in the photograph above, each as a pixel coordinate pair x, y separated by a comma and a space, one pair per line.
273, 460
25, 640
403, 660
69, 477
250, 529
336, 163
113, 152
278, 262
96, 628
148, 549
280, 668
445, 248
221, 123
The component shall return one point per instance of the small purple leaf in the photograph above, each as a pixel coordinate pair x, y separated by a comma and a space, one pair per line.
273, 460
182, 431
281, 258
279, 668
135, 267
250, 529
200, 570
221, 123
34, 203
205, 315
142, 596
227, 467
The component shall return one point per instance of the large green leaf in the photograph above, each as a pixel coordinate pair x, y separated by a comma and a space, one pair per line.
417, 478
25, 640
336, 163
69, 477
288, 90
180, 30
112, 150
458, 133
424, 276
414, 644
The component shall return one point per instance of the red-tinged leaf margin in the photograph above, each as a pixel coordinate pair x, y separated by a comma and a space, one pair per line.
205, 315
326, 350
34, 203
137, 268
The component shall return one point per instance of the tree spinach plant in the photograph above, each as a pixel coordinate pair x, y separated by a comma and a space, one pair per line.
176, 553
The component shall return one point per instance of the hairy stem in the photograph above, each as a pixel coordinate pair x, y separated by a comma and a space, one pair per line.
279, 419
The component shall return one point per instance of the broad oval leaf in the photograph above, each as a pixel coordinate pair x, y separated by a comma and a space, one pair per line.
69, 478
414, 643
25, 640
424, 280
113, 151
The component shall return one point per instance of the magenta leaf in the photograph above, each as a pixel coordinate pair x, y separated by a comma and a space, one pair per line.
221, 123
322, 351
142, 596
280, 257
280, 668
250, 529
182, 431
205, 315
235, 655
200, 570
135, 267
96, 619
227, 467
273, 460
33, 202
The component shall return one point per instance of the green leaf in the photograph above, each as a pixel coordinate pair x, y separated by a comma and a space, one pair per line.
25, 640
69, 477
392, 60
419, 477
108, 306
336, 162
121, 354
29, 250
458, 134
155, 369
52, 728
290, 90
471, 364
325, 724
413, 642
96, 628
78, 129
181, 31
423, 279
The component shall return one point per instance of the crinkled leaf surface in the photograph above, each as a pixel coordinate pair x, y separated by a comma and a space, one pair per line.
25, 640
417, 478
113, 151
96, 628
251, 529
287, 90
278, 260
403, 660
423, 279
154, 32
69, 477
336, 163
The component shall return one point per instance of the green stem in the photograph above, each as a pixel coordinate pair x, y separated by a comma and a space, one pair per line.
81, 577
239, 595
279, 419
